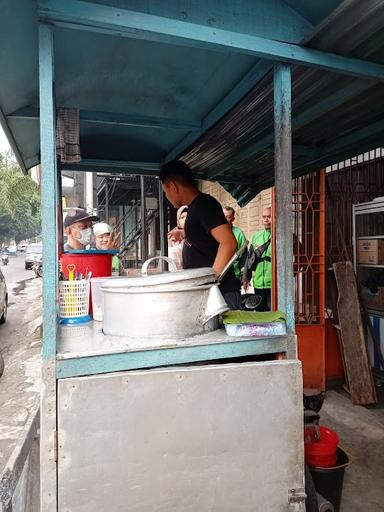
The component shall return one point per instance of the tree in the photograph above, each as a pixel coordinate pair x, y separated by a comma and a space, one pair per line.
19, 202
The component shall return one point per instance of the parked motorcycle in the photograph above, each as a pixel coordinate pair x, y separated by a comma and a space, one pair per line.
4, 259
37, 267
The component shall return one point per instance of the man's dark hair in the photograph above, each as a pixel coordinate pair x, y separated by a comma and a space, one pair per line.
229, 209
179, 171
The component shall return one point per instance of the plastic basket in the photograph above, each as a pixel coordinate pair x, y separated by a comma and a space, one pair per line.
74, 300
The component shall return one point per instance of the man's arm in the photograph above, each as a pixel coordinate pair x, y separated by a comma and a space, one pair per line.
227, 246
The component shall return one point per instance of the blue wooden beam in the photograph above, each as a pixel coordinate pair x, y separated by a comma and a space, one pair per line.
49, 207
246, 197
114, 118
117, 166
283, 187
92, 365
354, 137
257, 73
12, 142
105, 19
317, 110
346, 146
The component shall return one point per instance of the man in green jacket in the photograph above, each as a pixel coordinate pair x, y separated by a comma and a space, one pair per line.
262, 276
229, 214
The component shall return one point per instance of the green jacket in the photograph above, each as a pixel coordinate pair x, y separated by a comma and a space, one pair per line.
116, 264
240, 237
262, 276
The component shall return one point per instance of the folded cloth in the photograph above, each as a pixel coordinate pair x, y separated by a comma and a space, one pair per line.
68, 135
253, 317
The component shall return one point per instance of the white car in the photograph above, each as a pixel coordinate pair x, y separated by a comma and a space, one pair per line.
33, 254
3, 299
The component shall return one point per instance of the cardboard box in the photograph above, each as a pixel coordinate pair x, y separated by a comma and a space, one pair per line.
370, 251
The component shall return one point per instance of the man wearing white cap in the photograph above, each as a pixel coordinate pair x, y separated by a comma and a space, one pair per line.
103, 233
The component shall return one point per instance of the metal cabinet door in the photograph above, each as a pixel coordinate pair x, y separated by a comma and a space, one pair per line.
217, 438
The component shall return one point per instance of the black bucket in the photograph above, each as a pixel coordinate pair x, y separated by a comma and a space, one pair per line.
329, 481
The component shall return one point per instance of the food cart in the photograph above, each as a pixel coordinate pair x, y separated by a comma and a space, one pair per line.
209, 422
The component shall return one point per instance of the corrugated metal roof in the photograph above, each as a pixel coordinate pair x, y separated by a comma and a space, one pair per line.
333, 116
211, 103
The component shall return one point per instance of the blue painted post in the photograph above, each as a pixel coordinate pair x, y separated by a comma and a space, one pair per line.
48, 190
163, 234
283, 182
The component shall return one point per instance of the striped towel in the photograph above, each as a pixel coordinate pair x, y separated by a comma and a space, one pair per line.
68, 135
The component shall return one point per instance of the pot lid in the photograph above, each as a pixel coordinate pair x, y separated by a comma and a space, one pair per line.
186, 278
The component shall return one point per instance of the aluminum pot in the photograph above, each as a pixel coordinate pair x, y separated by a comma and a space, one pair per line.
173, 305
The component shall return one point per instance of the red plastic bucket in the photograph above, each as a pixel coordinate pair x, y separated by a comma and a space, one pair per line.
97, 262
100, 264
322, 452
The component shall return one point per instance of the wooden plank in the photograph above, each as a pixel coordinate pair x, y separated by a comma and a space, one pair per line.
346, 383
358, 370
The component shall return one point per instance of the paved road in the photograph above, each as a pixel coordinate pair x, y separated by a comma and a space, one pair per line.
15, 272
20, 348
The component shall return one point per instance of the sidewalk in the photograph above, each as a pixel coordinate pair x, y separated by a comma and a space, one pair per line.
361, 433
20, 346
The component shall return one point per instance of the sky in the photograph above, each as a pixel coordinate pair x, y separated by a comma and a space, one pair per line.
4, 146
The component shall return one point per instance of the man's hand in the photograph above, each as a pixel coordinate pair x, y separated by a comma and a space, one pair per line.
245, 285
176, 235
114, 240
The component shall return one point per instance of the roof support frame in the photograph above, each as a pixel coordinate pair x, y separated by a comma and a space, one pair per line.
374, 129
138, 168
254, 76
80, 15
345, 146
116, 118
12, 142
333, 101
118, 166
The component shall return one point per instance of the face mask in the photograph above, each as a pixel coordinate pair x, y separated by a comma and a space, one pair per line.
85, 236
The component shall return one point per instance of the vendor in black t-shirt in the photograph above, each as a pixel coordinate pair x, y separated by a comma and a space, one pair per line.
209, 241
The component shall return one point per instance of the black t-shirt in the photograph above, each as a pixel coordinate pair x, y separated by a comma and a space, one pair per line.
200, 247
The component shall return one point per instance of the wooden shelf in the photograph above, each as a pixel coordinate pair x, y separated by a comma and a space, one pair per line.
369, 265
370, 237
376, 312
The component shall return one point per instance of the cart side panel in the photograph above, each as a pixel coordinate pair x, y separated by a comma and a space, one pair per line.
200, 438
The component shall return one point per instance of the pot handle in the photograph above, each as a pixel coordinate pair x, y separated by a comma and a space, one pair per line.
171, 264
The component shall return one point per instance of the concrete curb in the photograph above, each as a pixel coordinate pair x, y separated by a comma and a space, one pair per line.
14, 468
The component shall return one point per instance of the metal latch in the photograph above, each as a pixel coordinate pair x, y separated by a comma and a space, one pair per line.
296, 495
55, 446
